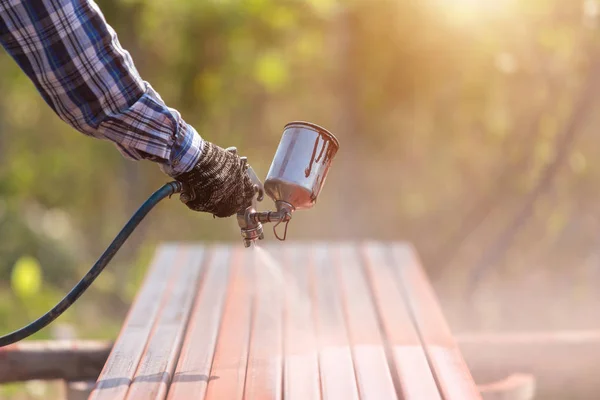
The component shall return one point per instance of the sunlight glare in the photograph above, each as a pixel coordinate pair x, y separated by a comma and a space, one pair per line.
463, 11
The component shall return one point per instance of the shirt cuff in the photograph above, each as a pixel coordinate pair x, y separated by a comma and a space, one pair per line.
186, 149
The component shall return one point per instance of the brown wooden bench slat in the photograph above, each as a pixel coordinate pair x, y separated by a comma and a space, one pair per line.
228, 372
193, 369
264, 372
449, 367
68, 360
370, 362
158, 362
297, 321
411, 367
123, 360
301, 363
335, 356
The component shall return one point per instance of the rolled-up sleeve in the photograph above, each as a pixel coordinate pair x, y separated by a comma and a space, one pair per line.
76, 62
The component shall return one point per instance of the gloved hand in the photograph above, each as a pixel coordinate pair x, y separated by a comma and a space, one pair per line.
217, 184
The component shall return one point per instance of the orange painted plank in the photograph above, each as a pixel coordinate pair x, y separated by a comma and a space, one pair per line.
370, 362
158, 362
117, 374
195, 361
322, 326
412, 371
228, 372
335, 355
264, 372
453, 376
301, 365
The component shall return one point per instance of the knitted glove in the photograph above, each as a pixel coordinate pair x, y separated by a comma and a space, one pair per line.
217, 184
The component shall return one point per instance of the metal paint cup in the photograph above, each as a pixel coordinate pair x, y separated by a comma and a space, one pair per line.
300, 165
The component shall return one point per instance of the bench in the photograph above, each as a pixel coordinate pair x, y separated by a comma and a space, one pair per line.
290, 321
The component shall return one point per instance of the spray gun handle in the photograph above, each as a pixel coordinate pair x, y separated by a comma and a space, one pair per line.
258, 185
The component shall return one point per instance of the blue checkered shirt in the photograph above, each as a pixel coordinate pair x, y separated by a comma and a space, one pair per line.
76, 62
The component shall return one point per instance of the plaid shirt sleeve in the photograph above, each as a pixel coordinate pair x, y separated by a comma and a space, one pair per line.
76, 62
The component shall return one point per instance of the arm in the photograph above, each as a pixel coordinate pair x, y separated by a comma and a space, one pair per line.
74, 59
76, 62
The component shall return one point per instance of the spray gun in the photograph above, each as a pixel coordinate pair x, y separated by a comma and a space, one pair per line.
294, 181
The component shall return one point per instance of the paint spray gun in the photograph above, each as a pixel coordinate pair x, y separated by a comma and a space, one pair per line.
294, 181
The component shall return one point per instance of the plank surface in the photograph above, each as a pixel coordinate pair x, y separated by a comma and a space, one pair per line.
370, 361
335, 356
301, 364
293, 321
448, 365
228, 372
412, 370
45, 360
264, 372
154, 373
193, 369
124, 358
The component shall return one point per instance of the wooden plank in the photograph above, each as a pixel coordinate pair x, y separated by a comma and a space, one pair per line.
452, 375
195, 361
412, 372
370, 362
343, 336
301, 364
158, 362
264, 372
124, 358
228, 372
335, 356
69, 360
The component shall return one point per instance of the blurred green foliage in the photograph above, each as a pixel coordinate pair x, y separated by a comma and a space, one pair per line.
447, 113
26, 277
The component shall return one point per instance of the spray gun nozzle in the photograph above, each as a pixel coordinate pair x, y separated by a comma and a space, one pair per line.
251, 231
251, 221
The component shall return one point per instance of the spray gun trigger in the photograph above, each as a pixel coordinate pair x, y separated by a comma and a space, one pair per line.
258, 185
260, 192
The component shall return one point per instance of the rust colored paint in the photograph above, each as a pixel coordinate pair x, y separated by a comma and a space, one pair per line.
118, 373
193, 369
301, 363
451, 372
154, 373
412, 372
373, 374
335, 355
228, 373
264, 373
317, 321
